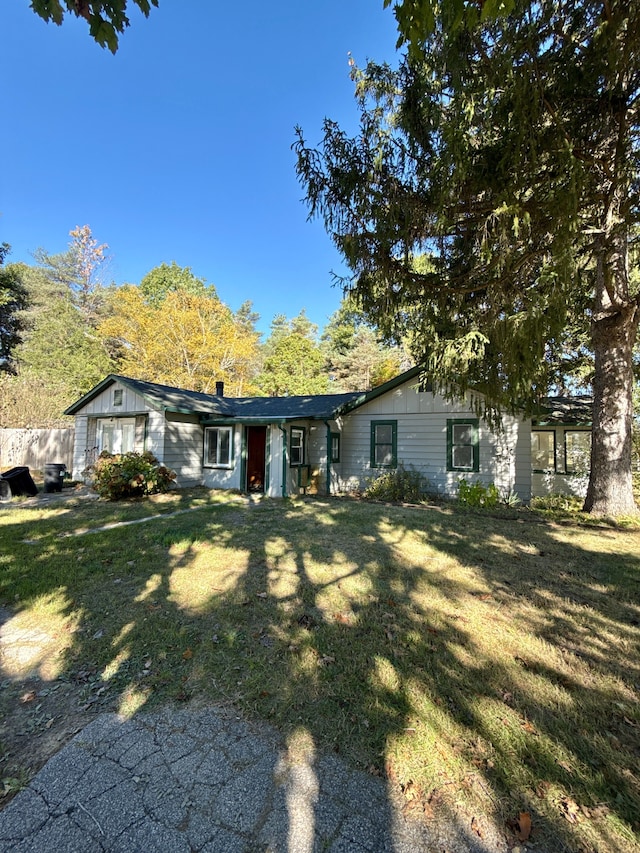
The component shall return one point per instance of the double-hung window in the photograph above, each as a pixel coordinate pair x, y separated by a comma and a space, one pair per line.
296, 446
543, 450
384, 441
463, 451
218, 447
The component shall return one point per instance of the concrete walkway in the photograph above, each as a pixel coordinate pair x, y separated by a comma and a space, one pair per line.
207, 781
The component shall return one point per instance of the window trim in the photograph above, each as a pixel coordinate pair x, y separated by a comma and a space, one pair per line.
218, 465
303, 446
475, 445
116, 424
374, 444
553, 470
335, 437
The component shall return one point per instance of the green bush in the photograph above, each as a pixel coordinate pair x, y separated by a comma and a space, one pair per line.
405, 485
477, 494
129, 475
557, 502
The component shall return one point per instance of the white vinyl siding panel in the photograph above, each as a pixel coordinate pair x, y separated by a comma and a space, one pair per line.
183, 441
422, 443
102, 405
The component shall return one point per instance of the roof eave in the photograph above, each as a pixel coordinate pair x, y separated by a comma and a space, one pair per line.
74, 408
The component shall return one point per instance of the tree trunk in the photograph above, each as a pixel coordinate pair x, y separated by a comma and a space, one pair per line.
614, 330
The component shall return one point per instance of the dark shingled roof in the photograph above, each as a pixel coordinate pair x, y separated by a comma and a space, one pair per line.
566, 410
212, 407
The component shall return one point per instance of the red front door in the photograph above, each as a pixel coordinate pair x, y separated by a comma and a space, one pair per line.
256, 454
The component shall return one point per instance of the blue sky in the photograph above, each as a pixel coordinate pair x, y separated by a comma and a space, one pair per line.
179, 146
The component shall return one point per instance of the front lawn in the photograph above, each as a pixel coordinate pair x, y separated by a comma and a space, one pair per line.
489, 663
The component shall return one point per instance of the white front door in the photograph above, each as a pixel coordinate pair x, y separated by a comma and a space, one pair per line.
116, 435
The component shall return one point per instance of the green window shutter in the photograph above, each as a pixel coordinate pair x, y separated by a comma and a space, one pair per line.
384, 444
463, 445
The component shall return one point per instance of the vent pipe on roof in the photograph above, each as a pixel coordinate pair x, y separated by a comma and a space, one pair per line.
219, 389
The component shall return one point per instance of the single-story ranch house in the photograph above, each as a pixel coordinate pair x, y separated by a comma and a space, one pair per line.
331, 443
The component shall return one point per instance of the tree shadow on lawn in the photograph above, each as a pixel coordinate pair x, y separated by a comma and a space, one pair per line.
463, 658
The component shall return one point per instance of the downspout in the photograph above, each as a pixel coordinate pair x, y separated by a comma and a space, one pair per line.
284, 460
328, 426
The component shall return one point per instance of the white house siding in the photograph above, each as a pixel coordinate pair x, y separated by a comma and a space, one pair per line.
422, 443
154, 439
549, 482
102, 406
183, 448
150, 436
512, 457
225, 478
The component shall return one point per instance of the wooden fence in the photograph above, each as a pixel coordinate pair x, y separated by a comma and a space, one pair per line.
36, 447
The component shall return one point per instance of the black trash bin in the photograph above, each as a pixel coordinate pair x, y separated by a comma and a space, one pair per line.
53, 476
19, 482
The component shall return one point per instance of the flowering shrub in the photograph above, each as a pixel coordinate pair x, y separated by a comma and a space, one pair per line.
129, 475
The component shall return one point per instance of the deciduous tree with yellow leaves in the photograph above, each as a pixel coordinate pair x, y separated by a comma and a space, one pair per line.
188, 340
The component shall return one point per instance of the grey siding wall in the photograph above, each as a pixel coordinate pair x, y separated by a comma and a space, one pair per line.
183, 448
422, 443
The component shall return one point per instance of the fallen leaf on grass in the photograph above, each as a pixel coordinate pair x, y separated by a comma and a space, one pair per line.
543, 789
475, 827
521, 826
596, 812
187, 654
28, 697
570, 809
524, 824
411, 791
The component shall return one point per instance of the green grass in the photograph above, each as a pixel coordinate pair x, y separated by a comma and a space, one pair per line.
491, 659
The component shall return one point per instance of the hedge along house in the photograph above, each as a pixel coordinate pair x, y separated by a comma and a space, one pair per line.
283, 446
